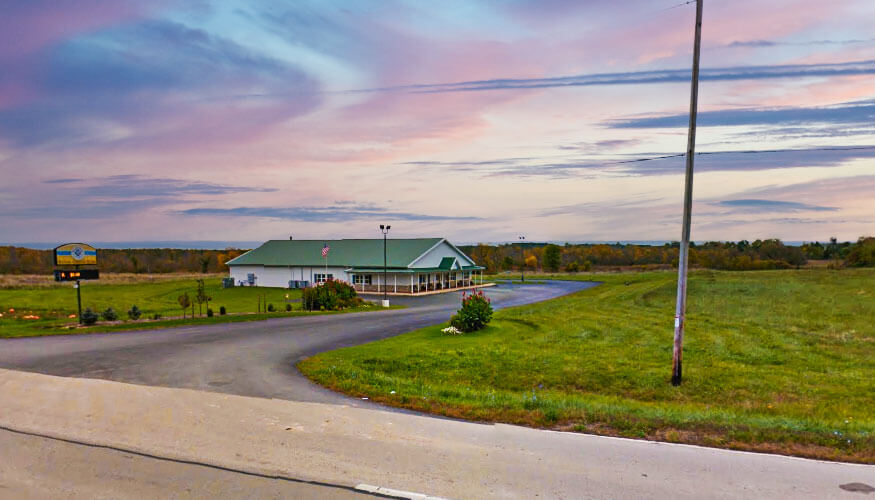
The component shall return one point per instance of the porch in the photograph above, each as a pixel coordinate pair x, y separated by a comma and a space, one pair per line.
414, 281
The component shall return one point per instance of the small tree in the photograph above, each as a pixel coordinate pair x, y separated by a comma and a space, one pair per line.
184, 301
89, 317
552, 257
109, 314
134, 313
531, 262
201, 297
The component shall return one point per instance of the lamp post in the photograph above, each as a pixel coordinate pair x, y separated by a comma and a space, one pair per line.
522, 259
385, 230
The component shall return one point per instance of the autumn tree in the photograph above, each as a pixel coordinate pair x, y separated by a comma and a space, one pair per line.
552, 257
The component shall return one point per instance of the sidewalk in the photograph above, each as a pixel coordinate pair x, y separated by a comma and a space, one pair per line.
446, 458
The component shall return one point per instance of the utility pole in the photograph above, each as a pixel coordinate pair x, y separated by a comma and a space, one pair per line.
680, 312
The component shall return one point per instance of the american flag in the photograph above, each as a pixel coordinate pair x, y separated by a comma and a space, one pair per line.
325, 250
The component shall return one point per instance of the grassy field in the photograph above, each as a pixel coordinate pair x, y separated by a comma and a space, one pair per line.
35, 306
775, 361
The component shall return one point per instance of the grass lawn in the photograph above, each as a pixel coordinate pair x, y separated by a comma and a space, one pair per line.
775, 361
53, 303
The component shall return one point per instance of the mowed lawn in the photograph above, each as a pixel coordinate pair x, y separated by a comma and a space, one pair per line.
55, 303
776, 361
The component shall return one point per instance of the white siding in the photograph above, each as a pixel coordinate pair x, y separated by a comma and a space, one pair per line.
433, 257
279, 276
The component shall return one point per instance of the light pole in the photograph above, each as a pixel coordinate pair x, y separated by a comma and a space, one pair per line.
522, 259
385, 230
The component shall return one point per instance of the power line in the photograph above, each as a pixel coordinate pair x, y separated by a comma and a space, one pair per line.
746, 152
678, 5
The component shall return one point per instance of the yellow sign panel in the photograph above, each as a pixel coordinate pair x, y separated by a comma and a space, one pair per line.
75, 254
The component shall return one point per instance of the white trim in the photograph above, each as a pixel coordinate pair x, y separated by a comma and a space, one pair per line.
461, 253
241, 255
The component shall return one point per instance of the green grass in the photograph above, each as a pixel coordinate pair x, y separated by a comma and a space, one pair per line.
53, 305
778, 361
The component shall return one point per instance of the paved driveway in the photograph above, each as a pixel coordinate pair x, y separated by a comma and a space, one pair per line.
249, 359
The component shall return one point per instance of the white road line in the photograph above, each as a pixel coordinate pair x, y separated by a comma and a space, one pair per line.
396, 493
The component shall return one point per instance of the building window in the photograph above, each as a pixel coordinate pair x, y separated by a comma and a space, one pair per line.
362, 279
422, 279
452, 276
322, 277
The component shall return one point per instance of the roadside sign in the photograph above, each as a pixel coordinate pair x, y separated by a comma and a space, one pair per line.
75, 254
79, 274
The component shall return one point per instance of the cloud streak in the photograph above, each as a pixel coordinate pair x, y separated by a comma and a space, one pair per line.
111, 196
770, 206
336, 213
850, 113
731, 73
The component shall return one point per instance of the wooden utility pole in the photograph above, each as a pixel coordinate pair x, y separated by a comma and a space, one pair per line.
680, 312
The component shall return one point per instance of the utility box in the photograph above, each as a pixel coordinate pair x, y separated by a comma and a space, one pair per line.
227, 282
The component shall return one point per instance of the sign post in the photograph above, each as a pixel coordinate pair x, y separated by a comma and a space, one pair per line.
76, 255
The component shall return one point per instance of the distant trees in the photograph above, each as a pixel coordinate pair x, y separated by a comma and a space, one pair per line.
18, 260
726, 255
552, 257
862, 253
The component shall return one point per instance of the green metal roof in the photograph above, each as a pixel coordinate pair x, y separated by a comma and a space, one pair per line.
350, 253
447, 263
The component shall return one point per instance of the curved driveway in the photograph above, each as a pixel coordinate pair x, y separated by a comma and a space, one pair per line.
251, 358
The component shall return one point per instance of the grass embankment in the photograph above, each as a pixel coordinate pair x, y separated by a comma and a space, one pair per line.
775, 361
53, 303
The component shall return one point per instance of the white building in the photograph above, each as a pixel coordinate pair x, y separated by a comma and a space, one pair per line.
412, 265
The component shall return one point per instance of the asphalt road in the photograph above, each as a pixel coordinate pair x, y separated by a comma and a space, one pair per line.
37, 467
248, 359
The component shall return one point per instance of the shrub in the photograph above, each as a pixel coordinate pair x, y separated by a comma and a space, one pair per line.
222, 311
156, 316
134, 313
475, 313
331, 295
572, 267
209, 312
288, 307
270, 308
109, 314
89, 317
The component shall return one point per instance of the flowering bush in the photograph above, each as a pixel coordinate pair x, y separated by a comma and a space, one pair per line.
475, 313
331, 295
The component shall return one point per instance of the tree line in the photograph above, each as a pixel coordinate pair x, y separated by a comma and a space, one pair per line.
19, 260
725, 255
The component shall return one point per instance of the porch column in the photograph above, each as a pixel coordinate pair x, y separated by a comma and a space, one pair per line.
395, 277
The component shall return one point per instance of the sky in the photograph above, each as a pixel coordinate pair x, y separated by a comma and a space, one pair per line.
480, 121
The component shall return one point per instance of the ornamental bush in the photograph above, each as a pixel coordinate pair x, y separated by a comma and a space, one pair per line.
222, 311
89, 317
330, 296
134, 313
109, 314
475, 313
